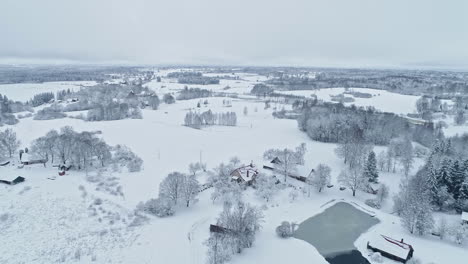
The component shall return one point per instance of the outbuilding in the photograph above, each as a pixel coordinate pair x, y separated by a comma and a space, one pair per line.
12, 180
391, 248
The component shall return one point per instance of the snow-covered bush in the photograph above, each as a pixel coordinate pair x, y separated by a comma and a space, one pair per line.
160, 207
374, 203
168, 99
284, 230
377, 257
52, 112
125, 157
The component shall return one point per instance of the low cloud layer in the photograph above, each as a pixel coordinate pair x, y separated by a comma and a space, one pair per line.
261, 32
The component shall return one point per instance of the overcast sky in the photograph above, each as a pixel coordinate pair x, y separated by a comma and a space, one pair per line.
250, 32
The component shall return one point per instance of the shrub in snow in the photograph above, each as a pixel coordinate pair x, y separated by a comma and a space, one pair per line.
51, 112
168, 99
125, 157
377, 257
284, 230
373, 203
160, 207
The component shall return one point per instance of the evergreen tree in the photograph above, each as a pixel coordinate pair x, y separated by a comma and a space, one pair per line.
444, 172
456, 179
370, 170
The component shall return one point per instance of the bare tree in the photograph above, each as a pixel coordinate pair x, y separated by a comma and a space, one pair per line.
321, 177
353, 178
172, 187
9, 141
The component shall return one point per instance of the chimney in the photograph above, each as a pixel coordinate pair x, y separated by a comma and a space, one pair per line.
401, 240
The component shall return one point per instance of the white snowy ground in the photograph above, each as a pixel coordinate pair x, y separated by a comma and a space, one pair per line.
49, 221
25, 91
381, 99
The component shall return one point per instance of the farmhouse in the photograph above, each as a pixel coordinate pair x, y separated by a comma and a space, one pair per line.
11, 180
391, 248
245, 174
464, 218
26, 160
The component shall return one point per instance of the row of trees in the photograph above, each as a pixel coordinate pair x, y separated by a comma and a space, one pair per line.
83, 150
42, 98
208, 118
193, 93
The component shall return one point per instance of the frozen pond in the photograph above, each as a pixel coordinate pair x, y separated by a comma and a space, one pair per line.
334, 231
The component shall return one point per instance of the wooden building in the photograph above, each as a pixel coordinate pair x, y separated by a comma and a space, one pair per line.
391, 248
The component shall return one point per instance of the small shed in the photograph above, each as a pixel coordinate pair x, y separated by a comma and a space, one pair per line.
245, 174
391, 248
12, 180
464, 218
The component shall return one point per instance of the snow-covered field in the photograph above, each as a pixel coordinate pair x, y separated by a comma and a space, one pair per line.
25, 91
381, 99
242, 85
75, 220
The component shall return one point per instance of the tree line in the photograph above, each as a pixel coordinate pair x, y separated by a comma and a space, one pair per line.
208, 118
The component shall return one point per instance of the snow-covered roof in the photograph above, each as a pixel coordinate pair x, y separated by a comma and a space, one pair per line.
246, 173
8, 173
25, 157
390, 245
464, 216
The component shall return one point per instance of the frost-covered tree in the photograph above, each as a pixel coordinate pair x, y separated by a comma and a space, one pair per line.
460, 117
370, 168
224, 188
413, 205
125, 157
383, 193
321, 177
406, 157
153, 102
190, 189
266, 187
172, 187
244, 221
194, 168
381, 160
353, 178
9, 141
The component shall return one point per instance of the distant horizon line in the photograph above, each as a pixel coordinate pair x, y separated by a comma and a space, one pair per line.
106, 63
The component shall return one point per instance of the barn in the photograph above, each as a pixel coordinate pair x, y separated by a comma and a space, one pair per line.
12, 180
391, 248
245, 174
